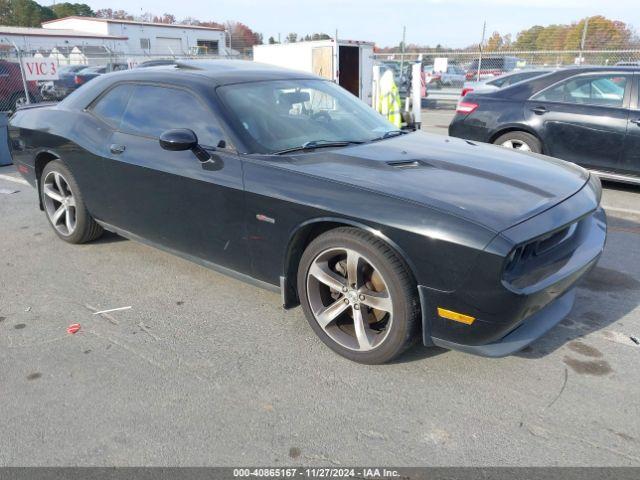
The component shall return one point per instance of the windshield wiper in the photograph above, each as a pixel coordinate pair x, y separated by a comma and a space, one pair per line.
313, 144
390, 133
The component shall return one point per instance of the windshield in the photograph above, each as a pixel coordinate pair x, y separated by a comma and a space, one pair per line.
285, 114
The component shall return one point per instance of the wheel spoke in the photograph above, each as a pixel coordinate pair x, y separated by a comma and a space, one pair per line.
71, 201
508, 144
524, 147
353, 262
51, 193
58, 214
377, 300
322, 273
330, 313
68, 221
58, 179
365, 341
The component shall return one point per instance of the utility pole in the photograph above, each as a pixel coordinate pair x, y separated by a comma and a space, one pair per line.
484, 31
404, 37
584, 38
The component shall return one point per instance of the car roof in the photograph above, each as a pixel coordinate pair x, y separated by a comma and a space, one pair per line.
523, 90
196, 73
222, 72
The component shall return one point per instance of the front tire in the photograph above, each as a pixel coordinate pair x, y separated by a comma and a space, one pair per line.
522, 141
358, 296
64, 205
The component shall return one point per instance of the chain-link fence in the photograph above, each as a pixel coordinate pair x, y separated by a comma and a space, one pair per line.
447, 71
74, 69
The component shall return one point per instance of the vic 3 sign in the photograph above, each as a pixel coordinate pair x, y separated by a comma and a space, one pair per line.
40, 68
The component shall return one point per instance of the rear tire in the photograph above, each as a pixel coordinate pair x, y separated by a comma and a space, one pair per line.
64, 205
518, 140
341, 274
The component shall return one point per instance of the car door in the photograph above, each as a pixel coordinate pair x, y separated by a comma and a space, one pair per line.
583, 119
170, 198
630, 163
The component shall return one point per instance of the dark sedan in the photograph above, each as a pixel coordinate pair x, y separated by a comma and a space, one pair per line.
64, 85
89, 73
587, 115
288, 181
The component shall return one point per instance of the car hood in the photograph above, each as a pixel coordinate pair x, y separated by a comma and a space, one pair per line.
485, 184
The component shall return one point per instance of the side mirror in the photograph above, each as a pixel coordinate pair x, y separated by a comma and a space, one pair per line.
178, 139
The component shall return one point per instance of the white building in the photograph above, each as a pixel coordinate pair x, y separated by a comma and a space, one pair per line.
148, 38
32, 40
124, 37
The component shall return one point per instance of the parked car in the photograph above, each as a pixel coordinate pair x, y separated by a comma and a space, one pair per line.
286, 180
587, 115
89, 73
454, 76
491, 67
64, 85
12, 94
492, 84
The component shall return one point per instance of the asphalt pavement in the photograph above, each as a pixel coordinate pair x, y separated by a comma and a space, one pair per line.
205, 370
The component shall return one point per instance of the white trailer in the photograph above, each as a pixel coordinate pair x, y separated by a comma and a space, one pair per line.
348, 63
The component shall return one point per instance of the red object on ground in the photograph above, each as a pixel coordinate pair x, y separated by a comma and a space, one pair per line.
73, 328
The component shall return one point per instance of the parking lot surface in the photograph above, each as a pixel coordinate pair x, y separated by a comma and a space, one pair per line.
206, 370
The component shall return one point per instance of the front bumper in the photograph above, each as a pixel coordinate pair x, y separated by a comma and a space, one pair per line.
507, 319
527, 332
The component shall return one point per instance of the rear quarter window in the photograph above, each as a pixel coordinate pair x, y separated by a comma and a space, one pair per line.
111, 106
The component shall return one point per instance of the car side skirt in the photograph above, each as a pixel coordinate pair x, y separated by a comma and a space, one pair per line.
205, 263
617, 177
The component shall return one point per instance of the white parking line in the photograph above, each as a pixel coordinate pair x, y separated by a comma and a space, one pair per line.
9, 178
621, 210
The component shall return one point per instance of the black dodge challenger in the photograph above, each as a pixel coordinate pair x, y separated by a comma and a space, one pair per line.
286, 180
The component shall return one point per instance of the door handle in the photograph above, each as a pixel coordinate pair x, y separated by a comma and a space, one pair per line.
539, 110
117, 149
636, 121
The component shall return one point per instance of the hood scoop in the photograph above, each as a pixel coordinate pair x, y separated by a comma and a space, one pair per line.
402, 164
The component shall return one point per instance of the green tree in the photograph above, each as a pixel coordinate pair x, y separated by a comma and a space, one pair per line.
602, 34
113, 14
24, 13
495, 42
67, 9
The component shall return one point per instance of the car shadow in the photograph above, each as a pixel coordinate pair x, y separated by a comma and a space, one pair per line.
418, 352
109, 237
604, 296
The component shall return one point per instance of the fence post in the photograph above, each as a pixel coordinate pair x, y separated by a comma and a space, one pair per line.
582, 42
22, 74
484, 31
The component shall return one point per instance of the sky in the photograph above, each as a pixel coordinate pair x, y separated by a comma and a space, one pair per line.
452, 23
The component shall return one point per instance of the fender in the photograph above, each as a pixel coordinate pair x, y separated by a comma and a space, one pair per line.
510, 127
288, 288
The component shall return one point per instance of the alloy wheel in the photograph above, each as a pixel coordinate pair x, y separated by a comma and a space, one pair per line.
349, 299
516, 145
59, 203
